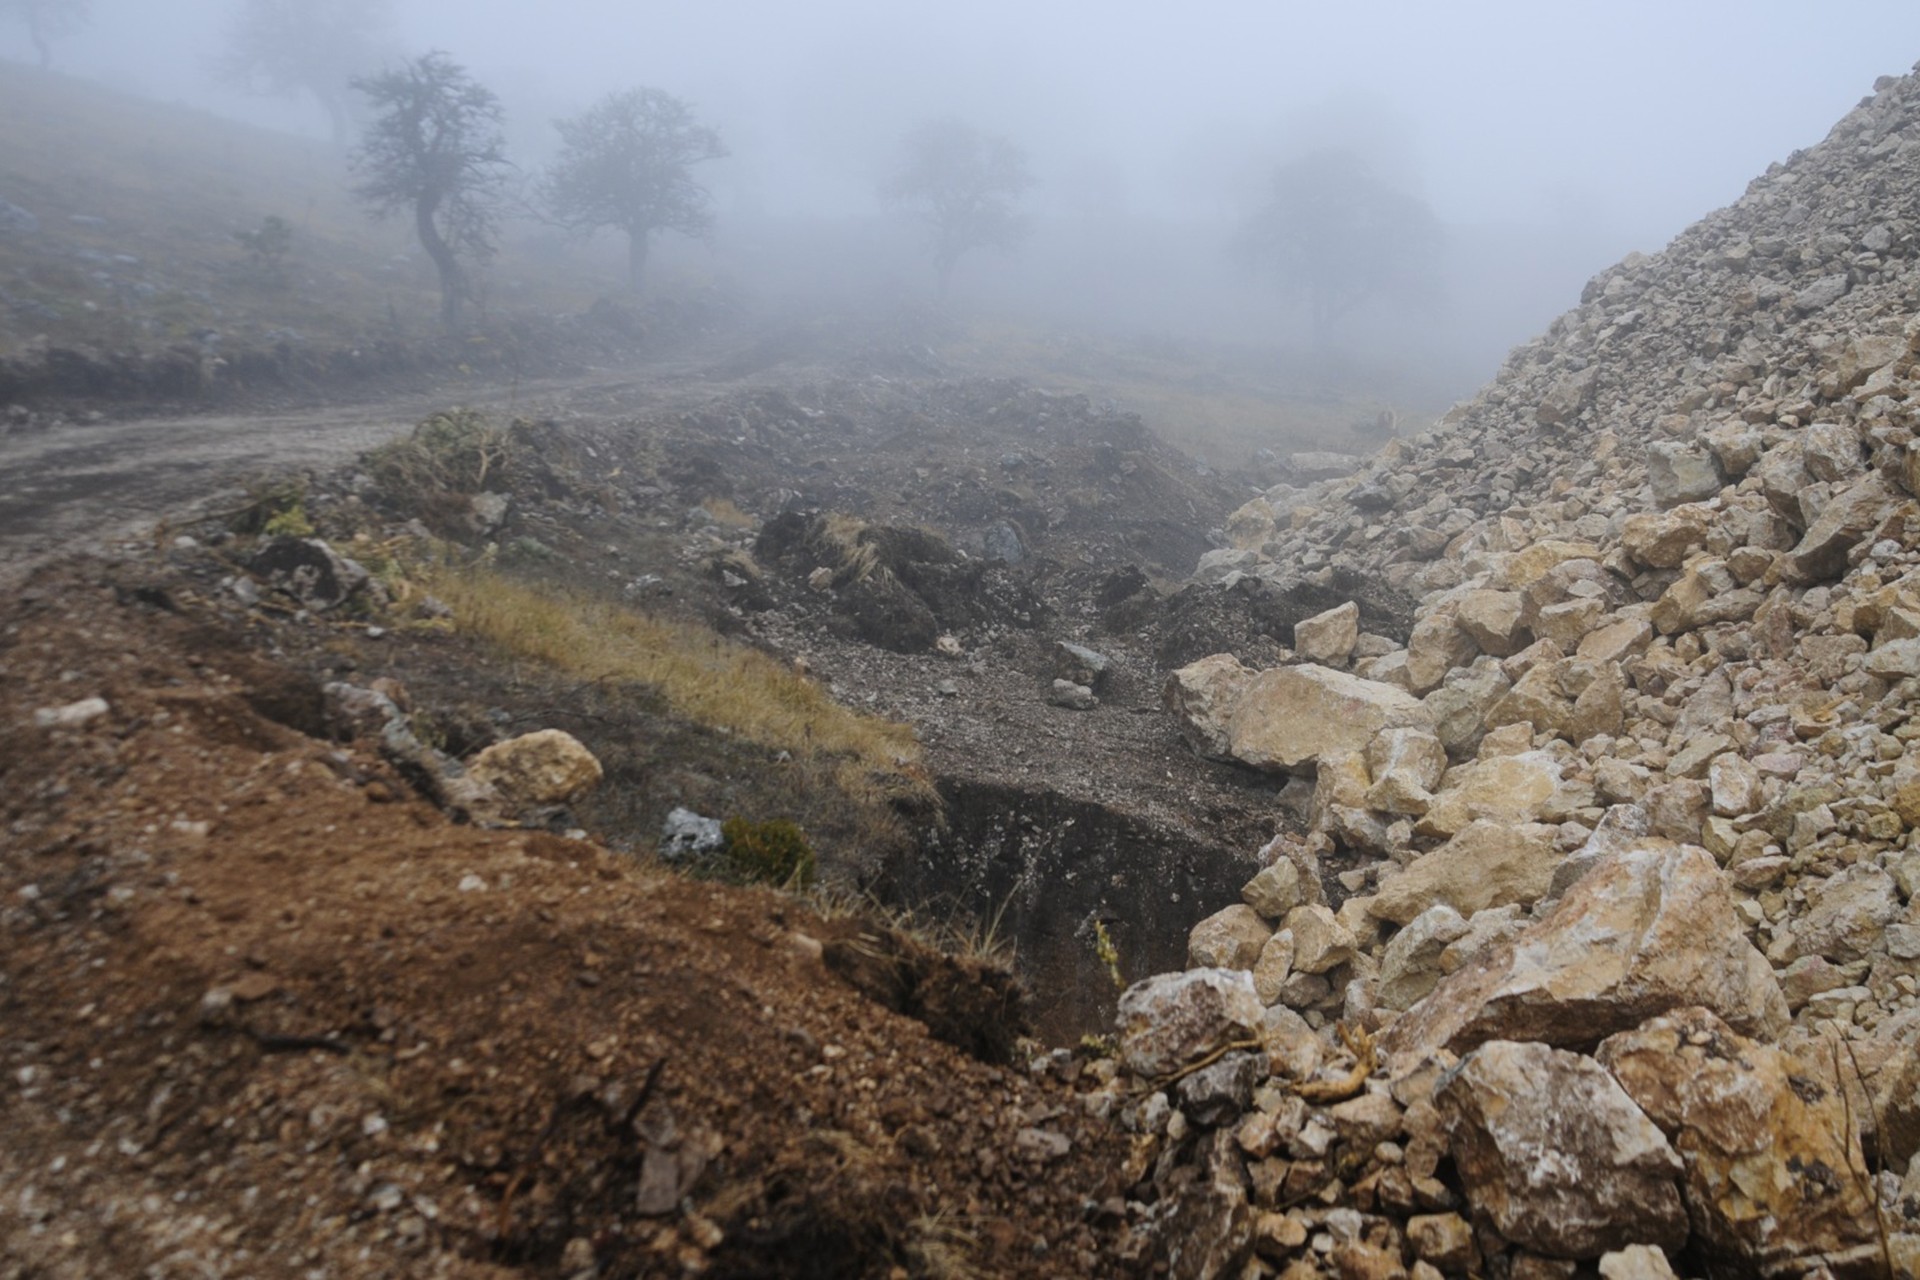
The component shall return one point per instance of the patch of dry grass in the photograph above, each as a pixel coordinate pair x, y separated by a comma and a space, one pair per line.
703, 678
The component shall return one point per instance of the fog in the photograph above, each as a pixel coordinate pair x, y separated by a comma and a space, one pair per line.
1548, 140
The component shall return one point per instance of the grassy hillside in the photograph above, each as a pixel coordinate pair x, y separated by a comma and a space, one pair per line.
138, 202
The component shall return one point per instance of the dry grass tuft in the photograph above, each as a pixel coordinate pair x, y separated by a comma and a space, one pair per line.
703, 678
725, 511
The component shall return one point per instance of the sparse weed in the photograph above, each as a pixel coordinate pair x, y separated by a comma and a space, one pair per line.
273, 507
1108, 954
724, 511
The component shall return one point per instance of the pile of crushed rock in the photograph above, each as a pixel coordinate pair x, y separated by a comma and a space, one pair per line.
1601, 944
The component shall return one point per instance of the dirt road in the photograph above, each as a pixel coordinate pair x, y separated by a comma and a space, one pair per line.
78, 487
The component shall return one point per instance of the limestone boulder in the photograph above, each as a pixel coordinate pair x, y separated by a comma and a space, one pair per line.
1663, 539
537, 770
1847, 915
1492, 620
1202, 696
1437, 645
1772, 1181
1410, 965
1328, 638
1404, 766
1320, 941
1230, 938
1460, 705
1291, 716
1172, 1019
1680, 473
1556, 1156
1488, 864
1649, 929
1848, 517
1276, 890
1515, 788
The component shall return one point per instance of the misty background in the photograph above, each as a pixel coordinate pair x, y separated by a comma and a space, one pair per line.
1548, 140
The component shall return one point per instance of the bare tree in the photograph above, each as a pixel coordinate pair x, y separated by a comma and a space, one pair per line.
47, 21
288, 47
962, 184
1336, 235
626, 162
435, 149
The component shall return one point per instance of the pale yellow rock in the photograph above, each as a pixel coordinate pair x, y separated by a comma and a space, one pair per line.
1569, 622
1437, 645
1274, 966
1649, 929
1328, 638
1664, 539
1405, 764
1293, 716
1748, 1118
1489, 864
1522, 568
1492, 620
1249, 527
1515, 788
1202, 697
1616, 641
548, 767
1319, 941
1734, 784
1230, 938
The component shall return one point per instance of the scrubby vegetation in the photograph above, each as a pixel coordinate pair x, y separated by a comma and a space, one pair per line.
773, 852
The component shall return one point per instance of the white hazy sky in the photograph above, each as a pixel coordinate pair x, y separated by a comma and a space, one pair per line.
1639, 115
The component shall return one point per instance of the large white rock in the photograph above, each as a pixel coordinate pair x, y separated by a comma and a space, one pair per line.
1649, 929
1556, 1155
1202, 696
1771, 1157
1489, 864
1291, 716
1328, 638
1171, 1019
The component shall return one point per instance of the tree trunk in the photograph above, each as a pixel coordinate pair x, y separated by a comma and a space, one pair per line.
338, 119
453, 282
636, 261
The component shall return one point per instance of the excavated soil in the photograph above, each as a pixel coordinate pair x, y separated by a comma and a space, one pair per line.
267, 1013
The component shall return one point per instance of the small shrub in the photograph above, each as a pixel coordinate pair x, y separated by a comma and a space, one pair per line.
273, 507
451, 453
269, 245
774, 852
290, 523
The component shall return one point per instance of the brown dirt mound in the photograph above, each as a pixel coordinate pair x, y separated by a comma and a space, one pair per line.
263, 1012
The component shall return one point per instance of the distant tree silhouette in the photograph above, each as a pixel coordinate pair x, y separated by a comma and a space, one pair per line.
962, 184
288, 47
1336, 235
627, 163
435, 149
47, 21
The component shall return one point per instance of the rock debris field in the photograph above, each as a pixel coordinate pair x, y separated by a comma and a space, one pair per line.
1588, 943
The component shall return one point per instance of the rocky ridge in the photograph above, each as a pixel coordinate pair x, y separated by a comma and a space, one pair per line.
1601, 946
